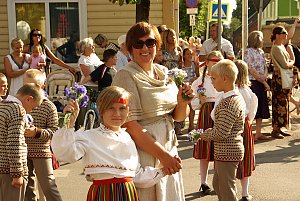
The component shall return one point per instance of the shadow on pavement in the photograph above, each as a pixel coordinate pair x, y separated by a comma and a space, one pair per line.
282, 155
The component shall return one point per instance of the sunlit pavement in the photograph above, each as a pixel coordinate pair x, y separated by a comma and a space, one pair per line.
276, 178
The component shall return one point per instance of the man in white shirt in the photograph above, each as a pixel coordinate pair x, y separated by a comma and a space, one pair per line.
212, 44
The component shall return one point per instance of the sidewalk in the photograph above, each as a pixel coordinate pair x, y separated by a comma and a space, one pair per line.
276, 178
277, 174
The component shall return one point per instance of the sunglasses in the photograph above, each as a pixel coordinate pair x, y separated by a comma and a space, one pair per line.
35, 35
139, 44
283, 32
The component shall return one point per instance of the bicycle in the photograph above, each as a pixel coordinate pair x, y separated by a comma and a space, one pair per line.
92, 116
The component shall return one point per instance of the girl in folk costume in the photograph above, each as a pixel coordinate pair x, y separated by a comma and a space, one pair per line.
204, 101
192, 70
247, 165
108, 152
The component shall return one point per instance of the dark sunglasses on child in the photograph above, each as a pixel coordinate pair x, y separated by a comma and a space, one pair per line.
139, 44
38, 34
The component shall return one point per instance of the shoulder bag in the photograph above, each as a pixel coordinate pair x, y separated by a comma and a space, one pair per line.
286, 75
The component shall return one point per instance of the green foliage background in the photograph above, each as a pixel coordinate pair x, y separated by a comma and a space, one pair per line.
185, 30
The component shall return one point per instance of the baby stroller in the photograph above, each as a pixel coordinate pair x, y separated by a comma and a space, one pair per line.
56, 83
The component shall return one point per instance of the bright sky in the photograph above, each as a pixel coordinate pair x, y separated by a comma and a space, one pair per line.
232, 5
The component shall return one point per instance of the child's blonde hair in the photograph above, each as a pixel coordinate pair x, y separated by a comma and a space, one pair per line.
109, 96
226, 68
37, 48
35, 75
242, 77
213, 54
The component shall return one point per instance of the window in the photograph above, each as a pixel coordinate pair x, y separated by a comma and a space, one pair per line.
56, 19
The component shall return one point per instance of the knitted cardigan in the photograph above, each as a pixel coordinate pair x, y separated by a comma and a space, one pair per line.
46, 120
227, 130
13, 149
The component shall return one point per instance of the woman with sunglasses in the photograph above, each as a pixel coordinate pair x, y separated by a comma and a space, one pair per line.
156, 103
36, 38
280, 97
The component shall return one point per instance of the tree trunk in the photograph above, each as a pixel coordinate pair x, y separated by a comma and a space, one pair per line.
142, 11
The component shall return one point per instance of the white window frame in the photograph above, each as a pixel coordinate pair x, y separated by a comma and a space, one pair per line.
12, 28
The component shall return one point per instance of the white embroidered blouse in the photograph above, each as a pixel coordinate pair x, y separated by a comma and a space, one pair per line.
106, 154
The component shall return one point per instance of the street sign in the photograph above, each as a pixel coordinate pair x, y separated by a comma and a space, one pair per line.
191, 11
214, 11
192, 20
191, 3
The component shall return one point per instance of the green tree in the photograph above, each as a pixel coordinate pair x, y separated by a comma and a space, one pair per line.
142, 8
185, 30
237, 13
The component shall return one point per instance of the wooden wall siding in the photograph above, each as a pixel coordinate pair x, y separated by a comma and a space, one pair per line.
113, 20
102, 17
4, 43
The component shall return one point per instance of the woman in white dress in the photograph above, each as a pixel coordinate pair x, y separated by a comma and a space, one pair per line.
15, 65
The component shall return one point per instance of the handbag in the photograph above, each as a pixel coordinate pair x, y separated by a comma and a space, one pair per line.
286, 75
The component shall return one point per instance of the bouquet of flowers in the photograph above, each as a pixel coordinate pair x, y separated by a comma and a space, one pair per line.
29, 120
194, 135
201, 90
178, 75
77, 92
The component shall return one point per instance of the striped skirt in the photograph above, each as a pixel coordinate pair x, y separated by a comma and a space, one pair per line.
204, 149
117, 189
247, 165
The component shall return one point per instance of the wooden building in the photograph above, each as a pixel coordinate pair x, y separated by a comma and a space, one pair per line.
58, 18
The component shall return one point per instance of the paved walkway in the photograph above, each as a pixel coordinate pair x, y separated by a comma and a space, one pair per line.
276, 178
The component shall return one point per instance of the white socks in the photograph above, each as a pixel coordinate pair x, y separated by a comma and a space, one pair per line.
245, 186
203, 171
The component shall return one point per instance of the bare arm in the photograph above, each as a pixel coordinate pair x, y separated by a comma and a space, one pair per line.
58, 61
145, 142
291, 31
197, 69
86, 79
85, 70
9, 71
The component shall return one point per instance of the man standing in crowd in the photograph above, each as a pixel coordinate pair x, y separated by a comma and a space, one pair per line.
13, 154
212, 44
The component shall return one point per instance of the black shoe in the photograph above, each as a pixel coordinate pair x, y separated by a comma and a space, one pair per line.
285, 134
246, 198
276, 134
205, 189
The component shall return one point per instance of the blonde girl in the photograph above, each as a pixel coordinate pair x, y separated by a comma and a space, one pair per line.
203, 150
106, 163
247, 165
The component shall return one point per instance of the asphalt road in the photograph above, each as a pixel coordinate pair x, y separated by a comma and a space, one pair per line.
276, 178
